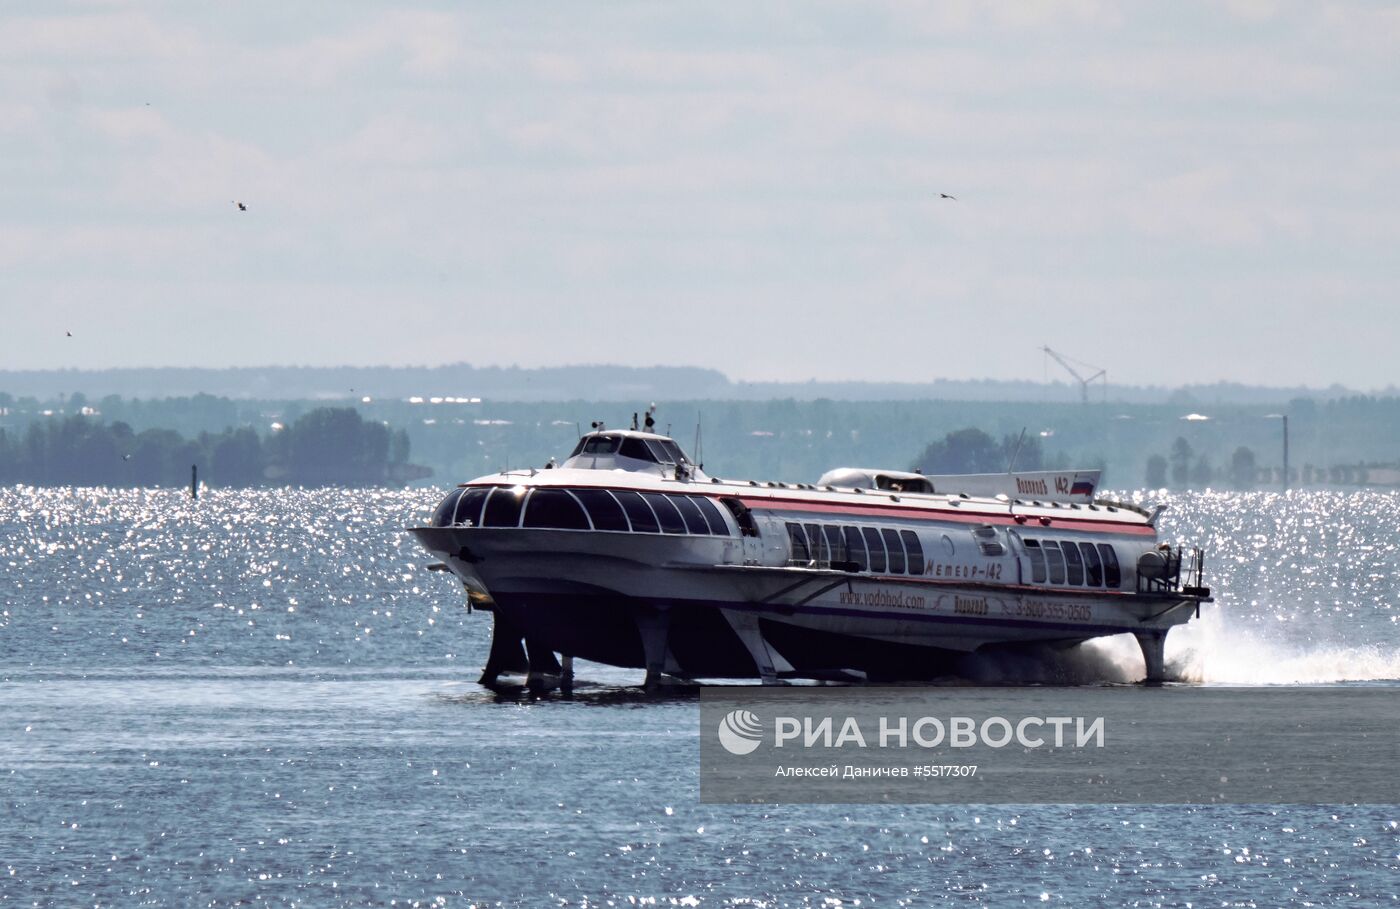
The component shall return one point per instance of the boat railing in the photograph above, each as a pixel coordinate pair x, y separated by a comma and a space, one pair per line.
1175, 571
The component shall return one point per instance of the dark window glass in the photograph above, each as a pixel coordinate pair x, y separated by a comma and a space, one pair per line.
503, 508
797, 543
1093, 568
895, 549
442, 517
855, 547
876, 546
603, 509
555, 508
469, 509
1054, 561
712, 515
1037, 561
915, 551
636, 448
835, 543
816, 543
600, 445
665, 451
1074, 563
1111, 575
643, 520
666, 513
694, 520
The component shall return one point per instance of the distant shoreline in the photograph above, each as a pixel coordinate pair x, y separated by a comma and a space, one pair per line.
599, 383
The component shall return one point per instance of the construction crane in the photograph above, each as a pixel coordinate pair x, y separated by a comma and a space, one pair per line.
1083, 382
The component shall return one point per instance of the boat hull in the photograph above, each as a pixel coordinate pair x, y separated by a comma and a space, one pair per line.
596, 596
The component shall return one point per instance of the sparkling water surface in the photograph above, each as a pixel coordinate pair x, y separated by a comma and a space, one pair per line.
263, 699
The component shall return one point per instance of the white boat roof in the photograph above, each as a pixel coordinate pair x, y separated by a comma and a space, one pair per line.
603, 459
1049, 485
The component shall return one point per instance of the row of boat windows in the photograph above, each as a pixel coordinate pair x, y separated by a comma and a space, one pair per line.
580, 509
1064, 562
882, 551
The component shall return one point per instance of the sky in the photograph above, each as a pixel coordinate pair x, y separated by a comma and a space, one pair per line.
1183, 192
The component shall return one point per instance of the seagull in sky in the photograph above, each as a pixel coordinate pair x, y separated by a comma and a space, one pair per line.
241, 206
946, 196
68, 333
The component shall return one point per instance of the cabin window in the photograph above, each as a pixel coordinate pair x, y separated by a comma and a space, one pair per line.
1093, 566
915, 551
603, 509
895, 549
1111, 576
503, 508
597, 445
1037, 560
666, 513
636, 448
638, 512
1054, 562
836, 543
876, 546
855, 547
1074, 564
469, 508
694, 520
658, 451
712, 516
816, 544
665, 451
797, 543
442, 517
555, 508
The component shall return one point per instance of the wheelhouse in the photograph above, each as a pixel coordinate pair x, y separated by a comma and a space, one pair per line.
630, 450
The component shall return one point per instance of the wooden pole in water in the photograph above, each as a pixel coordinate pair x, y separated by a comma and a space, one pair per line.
1285, 452
194, 482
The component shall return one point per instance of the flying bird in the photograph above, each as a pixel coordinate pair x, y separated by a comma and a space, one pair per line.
241, 206
126, 457
941, 196
68, 333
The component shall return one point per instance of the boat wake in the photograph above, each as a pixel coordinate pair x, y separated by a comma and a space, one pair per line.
1211, 651
1215, 652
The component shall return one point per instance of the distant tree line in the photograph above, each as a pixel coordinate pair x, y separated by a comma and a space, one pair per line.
325, 446
971, 450
783, 439
1183, 468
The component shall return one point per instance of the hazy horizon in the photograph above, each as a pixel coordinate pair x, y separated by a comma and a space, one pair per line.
608, 382
1181, 195
1054, 375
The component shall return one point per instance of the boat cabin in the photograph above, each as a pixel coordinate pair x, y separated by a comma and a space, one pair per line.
622, 449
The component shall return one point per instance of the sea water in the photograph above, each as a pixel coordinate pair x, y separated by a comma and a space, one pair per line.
262, 699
